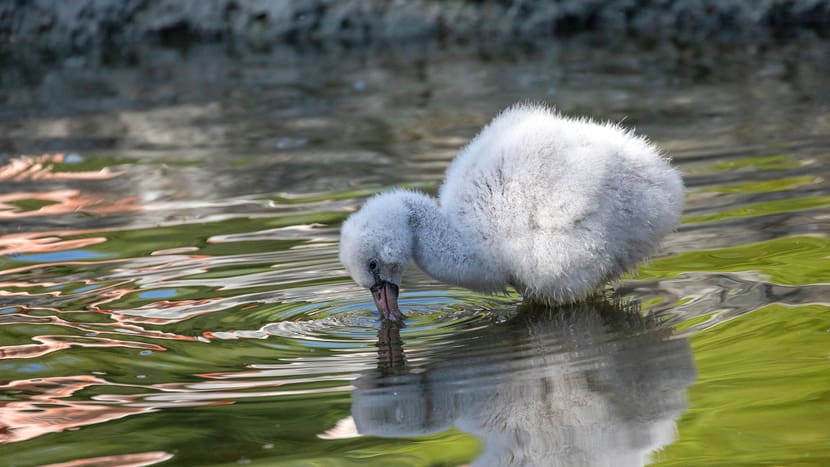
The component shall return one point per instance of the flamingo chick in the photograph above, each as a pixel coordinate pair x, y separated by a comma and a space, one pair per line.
551, 205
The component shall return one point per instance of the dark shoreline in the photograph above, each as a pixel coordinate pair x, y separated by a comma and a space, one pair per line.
55, 29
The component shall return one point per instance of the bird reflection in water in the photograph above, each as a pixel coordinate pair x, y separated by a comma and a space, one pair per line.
590, 384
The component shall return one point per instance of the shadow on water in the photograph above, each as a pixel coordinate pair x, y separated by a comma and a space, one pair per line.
592, 384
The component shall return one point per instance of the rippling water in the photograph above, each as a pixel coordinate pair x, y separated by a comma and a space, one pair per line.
170, 291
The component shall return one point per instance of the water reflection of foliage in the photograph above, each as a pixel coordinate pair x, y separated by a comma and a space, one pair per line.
788, 261
758, 399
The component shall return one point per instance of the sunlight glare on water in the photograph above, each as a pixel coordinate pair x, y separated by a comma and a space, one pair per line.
169, 276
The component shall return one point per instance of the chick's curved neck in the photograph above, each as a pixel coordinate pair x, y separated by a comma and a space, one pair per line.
442, 250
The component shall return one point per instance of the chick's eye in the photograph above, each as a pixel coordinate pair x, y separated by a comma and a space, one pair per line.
373, 265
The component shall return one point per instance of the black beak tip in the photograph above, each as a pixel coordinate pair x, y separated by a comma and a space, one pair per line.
385, 295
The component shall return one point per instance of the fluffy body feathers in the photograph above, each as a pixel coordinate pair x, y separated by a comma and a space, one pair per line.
551, 205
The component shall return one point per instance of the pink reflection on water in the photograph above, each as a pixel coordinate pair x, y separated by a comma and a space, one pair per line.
50, 344
53, 343
123, 460
35, 407
66, 202
43, 167
32, 242
47, 410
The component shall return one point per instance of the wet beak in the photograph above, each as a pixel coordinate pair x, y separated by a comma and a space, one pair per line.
386, 299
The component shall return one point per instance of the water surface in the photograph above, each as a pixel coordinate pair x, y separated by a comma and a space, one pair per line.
170, 291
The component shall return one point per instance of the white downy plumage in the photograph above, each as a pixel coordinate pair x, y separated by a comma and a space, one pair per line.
554, 206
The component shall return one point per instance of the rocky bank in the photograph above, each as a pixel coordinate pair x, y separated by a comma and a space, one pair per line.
61, 27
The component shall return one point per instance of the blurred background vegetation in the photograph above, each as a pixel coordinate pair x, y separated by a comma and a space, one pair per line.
112, 28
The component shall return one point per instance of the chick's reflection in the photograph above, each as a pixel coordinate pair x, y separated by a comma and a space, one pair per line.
598, 385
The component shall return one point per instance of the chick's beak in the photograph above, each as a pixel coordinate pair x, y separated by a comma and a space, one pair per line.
386, 299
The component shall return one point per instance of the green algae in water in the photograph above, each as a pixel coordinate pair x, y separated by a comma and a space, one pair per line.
689, 323
765, 186
764, 209
763, 392
788, 261
90, 163
28, 205
776, 162
143, 242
